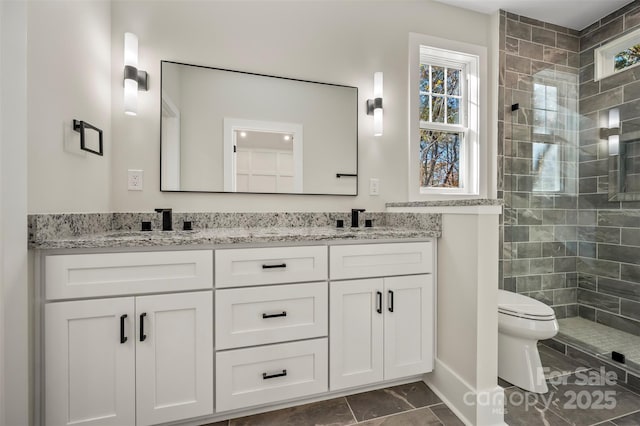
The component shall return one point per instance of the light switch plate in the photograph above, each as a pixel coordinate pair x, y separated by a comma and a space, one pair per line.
374, 186
135, 180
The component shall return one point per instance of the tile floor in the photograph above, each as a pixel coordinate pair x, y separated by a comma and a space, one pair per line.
600, 339
571, 400
413, 404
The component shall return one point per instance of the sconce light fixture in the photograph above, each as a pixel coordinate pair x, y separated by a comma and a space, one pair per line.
612, 132
134, 79
374, 106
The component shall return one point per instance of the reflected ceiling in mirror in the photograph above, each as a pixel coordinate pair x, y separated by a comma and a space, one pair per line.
232, 131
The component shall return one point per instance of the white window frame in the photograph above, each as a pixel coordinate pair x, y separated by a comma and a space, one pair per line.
470, 58
604, 55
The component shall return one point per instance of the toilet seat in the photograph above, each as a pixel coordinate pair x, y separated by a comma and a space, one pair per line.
517, 305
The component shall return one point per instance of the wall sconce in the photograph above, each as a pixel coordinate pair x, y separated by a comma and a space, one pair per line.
374, 106
134, 79
612, 132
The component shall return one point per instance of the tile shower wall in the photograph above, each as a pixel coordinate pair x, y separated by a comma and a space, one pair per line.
608, 262
539, 64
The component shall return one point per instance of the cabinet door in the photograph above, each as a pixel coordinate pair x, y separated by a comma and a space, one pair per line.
408, 326
174, 357
356, 321
90, 376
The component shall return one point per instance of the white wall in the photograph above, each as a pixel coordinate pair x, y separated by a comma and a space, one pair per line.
14, 289
339, 42
69, 69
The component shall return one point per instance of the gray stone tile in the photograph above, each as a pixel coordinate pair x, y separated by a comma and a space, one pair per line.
553, 281
599, 234
627, 290
632, 18
383, 402
587, 249
630, 236
543, 36
445, 415
541, 266
617, 253
553, 248
518, 64
530, 217
625, 218
594, 168
530, 50
525, 409
598, 300
511, 46
568, 42
588, 282
518, 30
598, 267
555, 56
555, 345
602, 100
565, 296
619, 323
558, 364
553, 217
529, 250
529, 283
628, 420
619, 79
545, 297
630, 309
564, 264
332, 412
603, 33
421, 417
625, 401
587, 313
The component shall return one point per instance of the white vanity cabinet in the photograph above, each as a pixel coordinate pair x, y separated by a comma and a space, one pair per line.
380, 328
290, 317
134, 360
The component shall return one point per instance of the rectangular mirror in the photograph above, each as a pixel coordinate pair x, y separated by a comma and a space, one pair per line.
232, 131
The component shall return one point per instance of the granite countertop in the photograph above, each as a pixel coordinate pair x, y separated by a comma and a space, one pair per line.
449, 203
222, 236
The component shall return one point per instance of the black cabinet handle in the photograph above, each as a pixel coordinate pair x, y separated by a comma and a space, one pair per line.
390, 301
143, 336
281, 265
283, 314
266, 376
379, 302
123, 338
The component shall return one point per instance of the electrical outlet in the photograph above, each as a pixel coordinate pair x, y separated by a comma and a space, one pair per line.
135, 180
374, 186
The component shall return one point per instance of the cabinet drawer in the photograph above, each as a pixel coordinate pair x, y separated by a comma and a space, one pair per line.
246, 377
377, 260
244, 267
109, 274
256, 316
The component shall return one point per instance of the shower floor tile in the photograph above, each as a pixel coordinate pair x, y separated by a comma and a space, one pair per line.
601, 339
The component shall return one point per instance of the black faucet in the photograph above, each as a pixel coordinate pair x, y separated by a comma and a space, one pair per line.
354, 217
167, 219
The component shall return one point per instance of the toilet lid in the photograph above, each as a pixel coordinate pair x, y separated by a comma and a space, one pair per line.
522, 306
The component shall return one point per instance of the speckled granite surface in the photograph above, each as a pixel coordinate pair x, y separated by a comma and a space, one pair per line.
449, 203
103, 230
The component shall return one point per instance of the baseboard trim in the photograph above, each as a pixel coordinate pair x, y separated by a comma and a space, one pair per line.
473, 407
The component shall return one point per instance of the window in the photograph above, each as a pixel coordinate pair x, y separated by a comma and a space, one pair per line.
617, 55
444, 96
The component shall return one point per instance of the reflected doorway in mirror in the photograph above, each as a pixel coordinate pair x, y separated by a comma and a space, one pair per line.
263, 156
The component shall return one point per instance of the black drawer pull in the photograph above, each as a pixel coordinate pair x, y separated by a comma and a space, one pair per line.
379, 302
283, 314
266, 376
143, 336
281, 265
390, 301
123, 338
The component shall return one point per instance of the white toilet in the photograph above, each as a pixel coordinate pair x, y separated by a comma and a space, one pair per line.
522, 321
